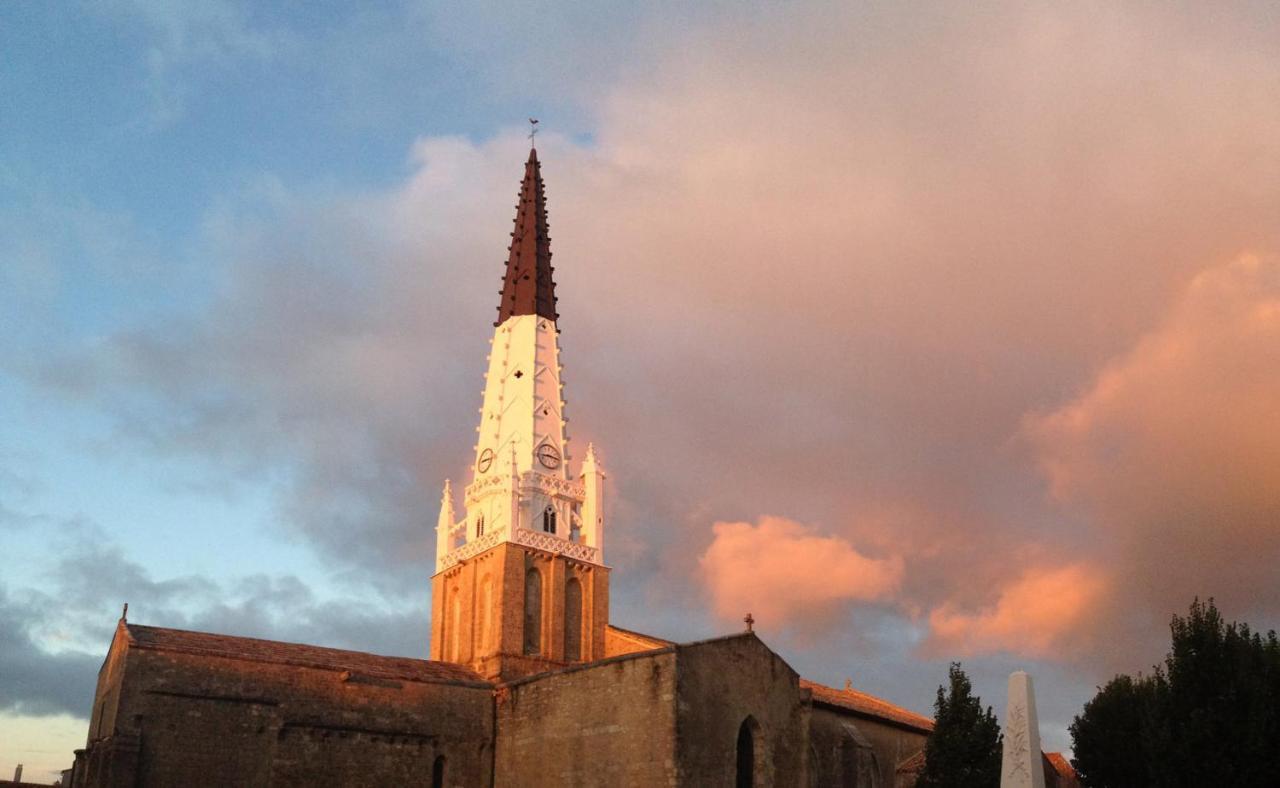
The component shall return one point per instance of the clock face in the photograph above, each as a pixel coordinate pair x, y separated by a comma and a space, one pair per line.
548, 456
485, 462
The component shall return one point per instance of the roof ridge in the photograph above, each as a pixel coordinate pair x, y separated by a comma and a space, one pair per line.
131, 626
866, 703
635, 633
301, 655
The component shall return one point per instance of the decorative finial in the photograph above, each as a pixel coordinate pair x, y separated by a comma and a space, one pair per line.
848, 684
124, 614
533, 132
749, 621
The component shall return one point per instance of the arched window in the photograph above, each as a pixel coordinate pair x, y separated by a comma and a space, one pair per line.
479, 526
455, 637
549, 520
748, 753
533, 612
486, 615
573, 620
437, 772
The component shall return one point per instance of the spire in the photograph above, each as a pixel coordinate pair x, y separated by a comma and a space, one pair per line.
446, 508
527, 288
444, 525
590, 463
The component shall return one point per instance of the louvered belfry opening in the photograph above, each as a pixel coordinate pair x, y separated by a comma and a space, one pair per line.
527, 288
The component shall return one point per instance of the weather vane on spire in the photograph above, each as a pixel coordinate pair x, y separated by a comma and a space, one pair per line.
533, 132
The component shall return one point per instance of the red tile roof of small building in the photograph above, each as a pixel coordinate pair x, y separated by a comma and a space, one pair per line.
1061, 765
300, 655
868, 705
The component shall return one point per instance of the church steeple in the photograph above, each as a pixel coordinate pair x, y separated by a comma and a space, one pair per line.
521, 584
527, 288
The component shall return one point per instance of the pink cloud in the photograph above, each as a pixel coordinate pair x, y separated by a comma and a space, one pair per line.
781, 570
1174, 448
1043, 613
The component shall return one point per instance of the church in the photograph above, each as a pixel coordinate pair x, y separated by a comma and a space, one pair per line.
529, 683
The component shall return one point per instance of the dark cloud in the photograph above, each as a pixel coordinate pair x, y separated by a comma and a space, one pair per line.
53, 640
35, 681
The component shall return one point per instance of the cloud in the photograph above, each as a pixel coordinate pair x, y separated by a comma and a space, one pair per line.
1046, 614
821, 262
783, 572
53, 639
184, 36
35, 681
1174, 447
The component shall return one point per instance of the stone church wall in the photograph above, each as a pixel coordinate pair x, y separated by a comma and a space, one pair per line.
606, 724
214, 721
867, 755
892, 744
721, 683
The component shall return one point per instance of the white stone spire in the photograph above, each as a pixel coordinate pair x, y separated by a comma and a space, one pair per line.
592, 524
444, 524
521, 488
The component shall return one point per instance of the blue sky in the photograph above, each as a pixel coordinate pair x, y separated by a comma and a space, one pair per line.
919, 293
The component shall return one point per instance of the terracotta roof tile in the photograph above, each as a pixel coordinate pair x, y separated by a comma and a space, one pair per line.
648, 641
1060, 764
869, 705
318, 657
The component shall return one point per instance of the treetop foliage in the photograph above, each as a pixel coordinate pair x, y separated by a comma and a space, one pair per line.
1210, 715
964, 749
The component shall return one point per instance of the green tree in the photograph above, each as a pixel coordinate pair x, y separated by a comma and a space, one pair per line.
1108, 736
1216, 711
1210, 715
964, 749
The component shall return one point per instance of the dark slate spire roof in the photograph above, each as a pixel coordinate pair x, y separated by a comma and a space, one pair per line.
527, 288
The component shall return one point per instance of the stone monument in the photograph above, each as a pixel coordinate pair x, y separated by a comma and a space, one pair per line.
1021, 765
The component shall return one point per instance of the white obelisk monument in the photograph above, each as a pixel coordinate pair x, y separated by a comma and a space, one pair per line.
1021, 765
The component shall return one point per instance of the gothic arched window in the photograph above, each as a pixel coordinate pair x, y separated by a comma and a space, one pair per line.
455, 636
486, 615
549, 520
748, 754
437, 772
573, 620
533, 612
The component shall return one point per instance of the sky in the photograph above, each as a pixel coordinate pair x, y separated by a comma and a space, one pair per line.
923, 332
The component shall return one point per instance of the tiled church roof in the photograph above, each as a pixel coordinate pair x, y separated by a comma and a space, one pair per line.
255, 650
868, 705
640, 639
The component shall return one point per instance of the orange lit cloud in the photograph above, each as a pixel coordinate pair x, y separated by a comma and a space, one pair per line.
1175, 446
823, 263
1041, 614
780, 570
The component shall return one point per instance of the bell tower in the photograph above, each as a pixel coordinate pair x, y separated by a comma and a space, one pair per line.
520, 583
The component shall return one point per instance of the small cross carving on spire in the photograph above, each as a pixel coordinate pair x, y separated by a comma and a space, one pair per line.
533, 132
749, 621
